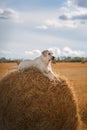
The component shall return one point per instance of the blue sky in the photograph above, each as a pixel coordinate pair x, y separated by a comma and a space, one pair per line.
29, 26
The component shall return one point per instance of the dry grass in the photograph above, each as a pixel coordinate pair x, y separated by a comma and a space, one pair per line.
76, 73
30, 101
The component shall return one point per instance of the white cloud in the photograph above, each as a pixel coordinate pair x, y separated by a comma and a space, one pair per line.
70, 15
56, 51
73, 12
44, 27
53, 23
9, 14
57, 23
66, 51
5, 52
69, 52
37, 51
29, 53
32, 54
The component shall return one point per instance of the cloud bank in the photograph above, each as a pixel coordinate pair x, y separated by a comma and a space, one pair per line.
66, 51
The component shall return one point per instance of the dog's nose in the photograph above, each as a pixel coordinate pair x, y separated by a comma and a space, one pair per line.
53, 57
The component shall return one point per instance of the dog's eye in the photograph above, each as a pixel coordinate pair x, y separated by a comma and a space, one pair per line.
48, 53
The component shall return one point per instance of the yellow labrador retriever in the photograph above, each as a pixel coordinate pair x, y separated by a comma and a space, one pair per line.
42, 63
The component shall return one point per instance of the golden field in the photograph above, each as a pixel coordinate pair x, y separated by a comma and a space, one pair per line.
75, 73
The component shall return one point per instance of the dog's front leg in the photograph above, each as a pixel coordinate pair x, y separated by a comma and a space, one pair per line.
54, 76
48, 76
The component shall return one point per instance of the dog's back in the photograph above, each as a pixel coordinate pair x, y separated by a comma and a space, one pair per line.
25, 64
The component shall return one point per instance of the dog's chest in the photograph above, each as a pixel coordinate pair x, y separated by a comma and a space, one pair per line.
44, 68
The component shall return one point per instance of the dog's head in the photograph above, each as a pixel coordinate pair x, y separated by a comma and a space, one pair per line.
48, 55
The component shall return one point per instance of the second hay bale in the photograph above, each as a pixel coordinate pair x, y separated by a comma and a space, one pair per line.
29, 101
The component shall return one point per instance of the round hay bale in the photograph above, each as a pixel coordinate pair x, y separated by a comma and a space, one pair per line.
29, 101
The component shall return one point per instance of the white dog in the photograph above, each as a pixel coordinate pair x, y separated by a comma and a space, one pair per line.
42, 63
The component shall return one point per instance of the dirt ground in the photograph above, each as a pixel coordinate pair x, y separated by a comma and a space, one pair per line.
75, 73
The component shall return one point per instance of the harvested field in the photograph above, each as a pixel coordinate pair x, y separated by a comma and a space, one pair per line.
5, 68
76, 73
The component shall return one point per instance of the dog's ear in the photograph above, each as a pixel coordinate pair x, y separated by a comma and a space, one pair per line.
44, 53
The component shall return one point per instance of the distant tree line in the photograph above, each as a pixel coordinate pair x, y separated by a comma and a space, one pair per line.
5, 60
71, 59
58, 59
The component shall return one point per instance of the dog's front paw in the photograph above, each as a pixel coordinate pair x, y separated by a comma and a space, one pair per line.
58, 80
